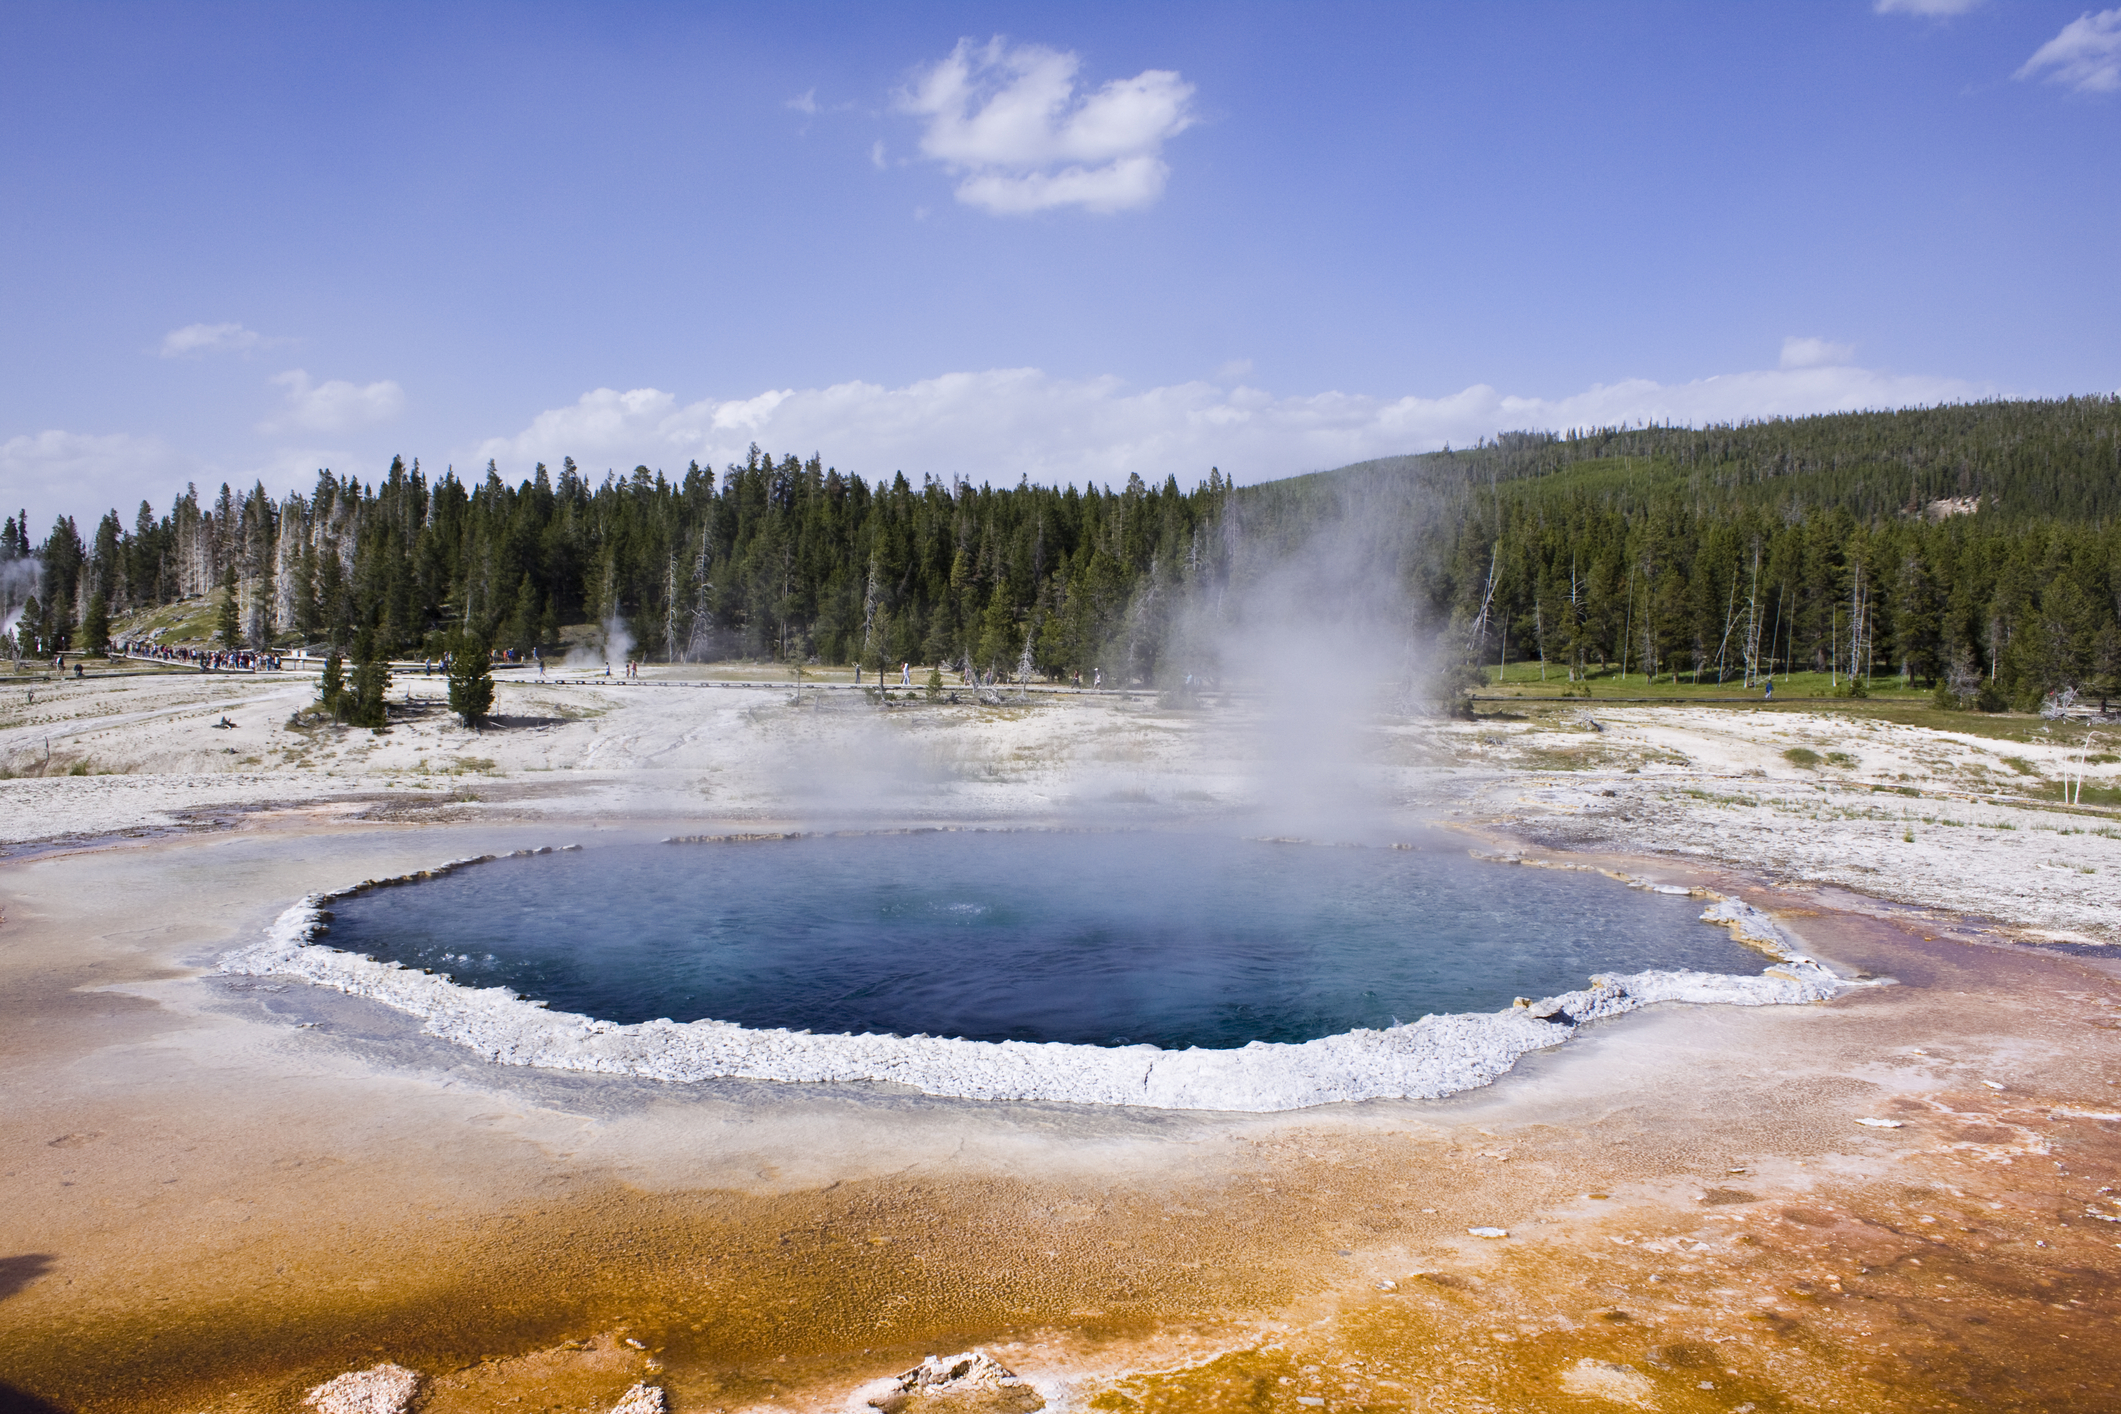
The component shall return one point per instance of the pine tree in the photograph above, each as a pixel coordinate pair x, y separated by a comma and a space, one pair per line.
364, 700
27, 643
470, 681
95, 628
229, 628
331, 688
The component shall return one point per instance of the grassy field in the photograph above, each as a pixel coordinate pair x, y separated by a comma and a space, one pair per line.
1525, 679
1887, 700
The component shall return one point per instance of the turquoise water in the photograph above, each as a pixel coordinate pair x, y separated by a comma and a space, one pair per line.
1103, 939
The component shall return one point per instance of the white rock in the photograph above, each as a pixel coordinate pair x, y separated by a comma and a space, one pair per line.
973, 1380
1489, 1231
641, 1399
384, 1389
950, 1374
1602, 1379
1881, 1123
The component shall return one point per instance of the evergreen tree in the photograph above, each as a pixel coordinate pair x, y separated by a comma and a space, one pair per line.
228, 626
331, 688
470, 681
27, 641
364, 698
95, 628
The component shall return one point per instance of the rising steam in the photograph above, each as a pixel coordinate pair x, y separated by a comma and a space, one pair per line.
18, 581
612, 648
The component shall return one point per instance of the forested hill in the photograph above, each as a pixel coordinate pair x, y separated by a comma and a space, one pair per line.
1975, 543
1965, 543
2039, 460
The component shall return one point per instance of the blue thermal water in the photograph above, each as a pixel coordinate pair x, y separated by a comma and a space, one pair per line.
1102, 939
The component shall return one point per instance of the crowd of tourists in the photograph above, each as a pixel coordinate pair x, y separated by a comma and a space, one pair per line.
208, 660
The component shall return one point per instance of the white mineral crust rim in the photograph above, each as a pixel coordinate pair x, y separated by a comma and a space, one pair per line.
1425, 1059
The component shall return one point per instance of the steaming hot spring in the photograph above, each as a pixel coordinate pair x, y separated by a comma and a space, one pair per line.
1170, 969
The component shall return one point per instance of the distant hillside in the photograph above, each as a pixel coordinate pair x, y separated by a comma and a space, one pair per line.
2058, 459
1975, 543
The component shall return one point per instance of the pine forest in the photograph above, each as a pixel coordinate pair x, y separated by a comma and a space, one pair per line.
1974, 548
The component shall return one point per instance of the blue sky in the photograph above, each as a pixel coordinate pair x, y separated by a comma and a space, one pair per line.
1069, 242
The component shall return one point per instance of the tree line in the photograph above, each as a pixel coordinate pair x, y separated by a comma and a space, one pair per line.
1974, 546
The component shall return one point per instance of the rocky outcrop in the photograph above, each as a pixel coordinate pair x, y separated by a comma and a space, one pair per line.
641, 1399
971, 1383
382, 1389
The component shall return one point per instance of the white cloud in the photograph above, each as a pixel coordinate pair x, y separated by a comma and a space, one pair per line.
1011, 124
1935, 9
81, 474
1116, 186
1816, 353
2085, 56
1002, 424
803, 102
212, 338
334, 406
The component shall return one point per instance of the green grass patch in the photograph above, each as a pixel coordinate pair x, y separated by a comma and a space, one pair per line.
1525, 679
2085, 795
1887, 702
1841, 759
1803, 756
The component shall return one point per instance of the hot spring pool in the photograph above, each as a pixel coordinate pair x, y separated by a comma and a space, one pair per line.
1169, 940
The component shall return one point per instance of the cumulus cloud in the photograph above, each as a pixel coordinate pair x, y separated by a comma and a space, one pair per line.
195, 339
1816, 353
1010, 123
1935, 9
1003, 424
2085, 56
332, 406
804, 102
55, 472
